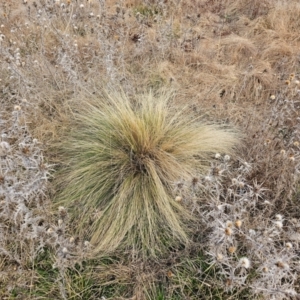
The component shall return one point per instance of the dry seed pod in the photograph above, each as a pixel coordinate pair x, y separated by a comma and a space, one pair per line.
228, 231
232, 249
178, 199
238, 223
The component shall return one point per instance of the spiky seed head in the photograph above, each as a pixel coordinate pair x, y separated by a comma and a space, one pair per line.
268, 141
265, 269
228, 231
50, 230
229, 224
279, 217
220, 256
234, 181
226, 157
241, 184
178, 199
208, 178
170, 274
218, 156
61, 208
232, 249
252, 232
282, 152
62, 211
282, 265
278, 224
272, 97
291, 157
245, 262
238, 223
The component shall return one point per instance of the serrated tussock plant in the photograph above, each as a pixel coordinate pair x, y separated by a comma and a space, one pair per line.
122, 159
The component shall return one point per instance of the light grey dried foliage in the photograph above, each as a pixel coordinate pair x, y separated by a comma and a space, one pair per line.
26, 228
23, 175
251, 228
250, 245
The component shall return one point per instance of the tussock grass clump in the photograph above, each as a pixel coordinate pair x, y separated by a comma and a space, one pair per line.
123, 158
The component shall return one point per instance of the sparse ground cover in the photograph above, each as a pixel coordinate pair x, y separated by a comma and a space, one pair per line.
234, 64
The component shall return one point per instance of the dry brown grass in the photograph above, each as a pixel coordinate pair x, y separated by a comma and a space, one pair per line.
225, 59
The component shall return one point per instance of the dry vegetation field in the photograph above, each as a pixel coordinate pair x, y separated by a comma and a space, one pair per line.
222, 224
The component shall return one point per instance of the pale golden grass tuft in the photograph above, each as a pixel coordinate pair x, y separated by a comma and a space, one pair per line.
121, 160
